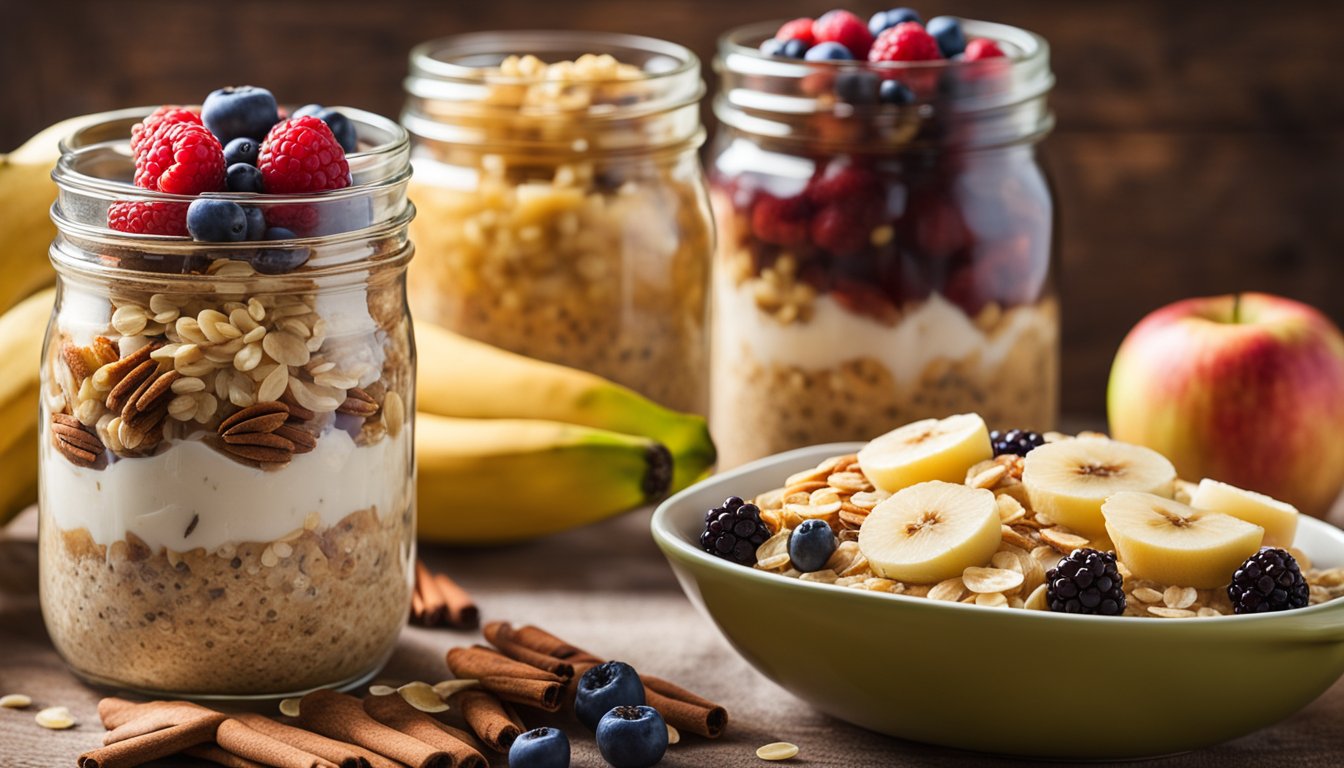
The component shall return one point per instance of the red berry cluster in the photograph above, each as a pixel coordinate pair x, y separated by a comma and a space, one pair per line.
175, 152
894, 35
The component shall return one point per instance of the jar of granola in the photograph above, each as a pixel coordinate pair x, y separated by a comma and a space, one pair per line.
880, 262
562, 210
227, 482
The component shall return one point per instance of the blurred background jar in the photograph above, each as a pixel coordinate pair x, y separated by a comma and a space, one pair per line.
562, 207
881, 258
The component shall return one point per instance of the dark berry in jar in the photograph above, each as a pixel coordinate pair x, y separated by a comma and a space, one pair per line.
1269, 580
241, 177
947, 31
857, 86
216, 221
241, 150
828, 52
895, 92
1086, 581
733, 531
242, 111
278, 261
884, 20
811, 544
256, 222
793, 49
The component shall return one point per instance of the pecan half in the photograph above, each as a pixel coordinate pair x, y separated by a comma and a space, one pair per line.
358, 403
81, 446
123, 392
117, 371
252, 434
262, 417
303, 440
147, 406
296, 412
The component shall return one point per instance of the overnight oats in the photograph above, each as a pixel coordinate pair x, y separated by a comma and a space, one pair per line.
227, 480
885, 233
562, 210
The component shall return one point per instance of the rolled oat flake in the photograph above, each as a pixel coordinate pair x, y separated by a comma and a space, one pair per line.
780, 750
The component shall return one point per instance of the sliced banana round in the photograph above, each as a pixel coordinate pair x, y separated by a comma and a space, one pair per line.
930, 532
1171, 543
1279, 519
932, 449
1068, 480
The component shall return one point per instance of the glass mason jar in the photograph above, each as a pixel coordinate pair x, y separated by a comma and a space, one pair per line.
877, 262
227, 477
562, 208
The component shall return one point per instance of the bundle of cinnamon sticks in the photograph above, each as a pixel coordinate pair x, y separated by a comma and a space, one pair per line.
439, 601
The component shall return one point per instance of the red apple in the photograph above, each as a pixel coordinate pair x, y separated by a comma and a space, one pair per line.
1247, 389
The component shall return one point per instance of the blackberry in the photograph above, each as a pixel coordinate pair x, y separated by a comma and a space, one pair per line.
1016, 441
1269, 580
733, 531
1087, 581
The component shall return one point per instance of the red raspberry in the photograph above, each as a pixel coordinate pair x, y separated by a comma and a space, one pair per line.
844, 228
982, 48
143, 132
782, 221
181, 159
143, 217
302, 155
906, 41
798, 29
842, 183
846, 29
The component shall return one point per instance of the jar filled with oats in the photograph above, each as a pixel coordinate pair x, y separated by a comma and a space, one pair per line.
885, 244
227, 481
562, 210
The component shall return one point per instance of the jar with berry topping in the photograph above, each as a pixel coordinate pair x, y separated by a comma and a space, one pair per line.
562, 207
226, 466
885, 242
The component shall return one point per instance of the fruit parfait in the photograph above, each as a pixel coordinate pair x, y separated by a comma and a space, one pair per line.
946, 510
885, 231
563, 212
226, 463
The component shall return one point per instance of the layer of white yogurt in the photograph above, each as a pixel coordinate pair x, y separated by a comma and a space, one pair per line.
157, 497
935, 329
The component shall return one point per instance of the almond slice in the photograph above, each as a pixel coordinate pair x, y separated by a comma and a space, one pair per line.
990, 580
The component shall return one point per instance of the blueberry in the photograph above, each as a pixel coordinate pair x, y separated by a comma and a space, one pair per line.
883, 20
772, 47
278, 261
241, 150
242, 177
244, 110
613, 684
811, 545
540, 748
632, 737
341, 128
895, 92
216, 221
828, 51
256, 222
856, 87
947, 31
793, 48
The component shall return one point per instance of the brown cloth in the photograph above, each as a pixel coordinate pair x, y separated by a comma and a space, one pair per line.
607, 589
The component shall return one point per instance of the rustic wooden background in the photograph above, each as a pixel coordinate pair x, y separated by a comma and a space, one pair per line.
1200, 146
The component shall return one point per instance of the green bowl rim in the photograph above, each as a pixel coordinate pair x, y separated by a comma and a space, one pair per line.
674, 545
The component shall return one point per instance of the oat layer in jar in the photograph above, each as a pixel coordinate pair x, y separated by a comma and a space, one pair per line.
879, 263
562, 206
227, 481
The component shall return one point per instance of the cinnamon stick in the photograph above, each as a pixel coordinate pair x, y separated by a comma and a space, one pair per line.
342, 717
343, 754
538, 640
138, 750
478, 663
237, 738
487, 717
688, 715
215, 754
546, 695
437, 599
394, 712
519, 652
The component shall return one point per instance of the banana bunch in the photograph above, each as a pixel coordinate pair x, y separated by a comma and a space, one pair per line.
26, 194
509, 448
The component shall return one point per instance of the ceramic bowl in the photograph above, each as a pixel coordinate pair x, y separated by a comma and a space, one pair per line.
1010, 682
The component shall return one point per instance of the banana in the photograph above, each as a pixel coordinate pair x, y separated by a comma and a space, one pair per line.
26, 195
1279, 519
20, 365
932, 449
932, 531
1069, 479
493, 481
1175, 544
465, 378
